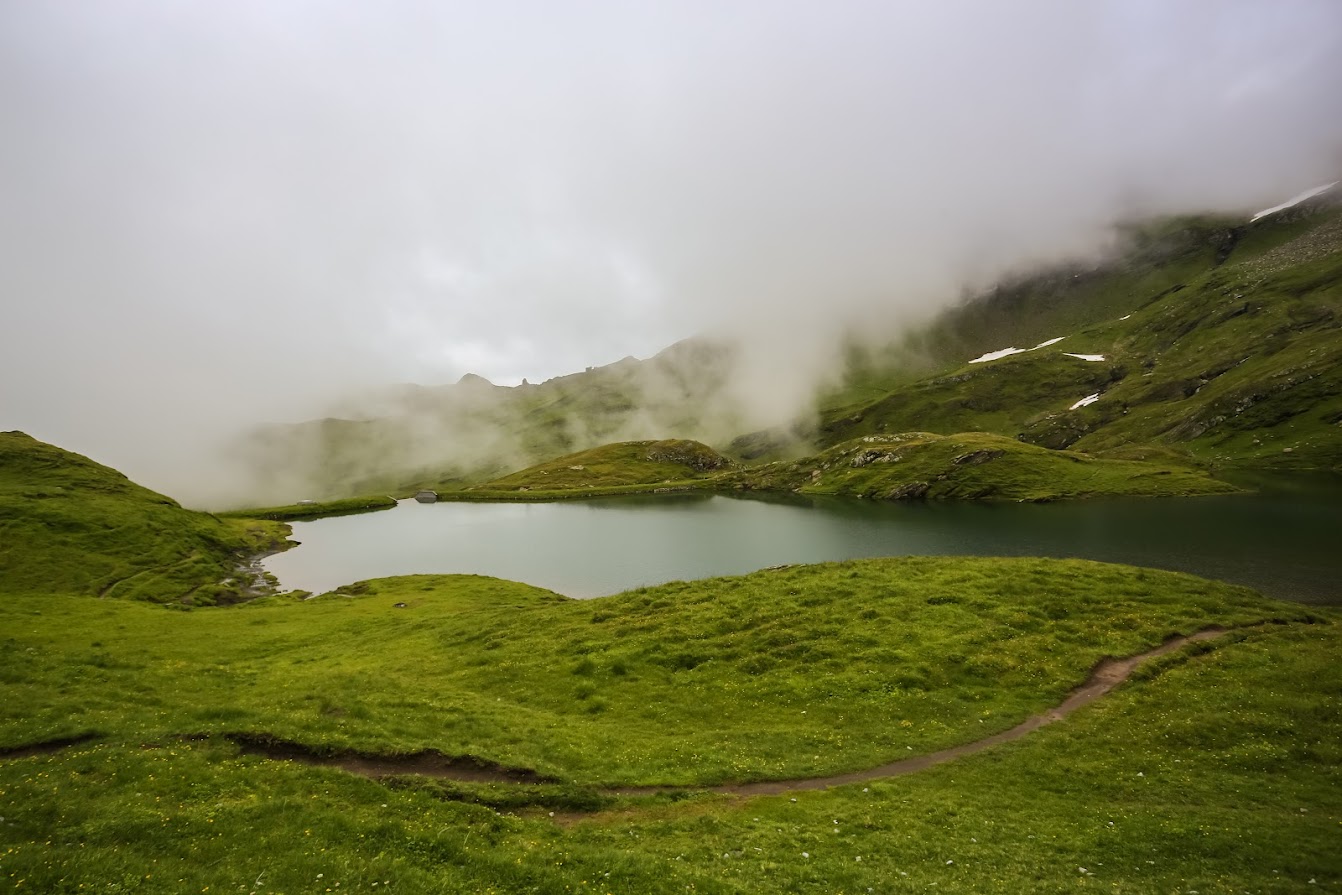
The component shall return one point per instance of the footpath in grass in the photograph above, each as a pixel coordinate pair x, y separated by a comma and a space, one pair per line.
1217, 773
787, 673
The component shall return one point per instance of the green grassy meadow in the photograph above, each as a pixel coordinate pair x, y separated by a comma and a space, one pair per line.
1216, 770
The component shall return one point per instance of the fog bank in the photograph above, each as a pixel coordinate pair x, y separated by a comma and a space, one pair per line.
218, 215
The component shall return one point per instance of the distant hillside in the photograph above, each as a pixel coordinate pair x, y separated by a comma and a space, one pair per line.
903, 466
1220, 340
969, 466
70, 525
616, 466
457, 435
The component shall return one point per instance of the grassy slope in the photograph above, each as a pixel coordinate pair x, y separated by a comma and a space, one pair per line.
70, 525
1219, 774
615, 466
789, 672
915, 383
971, 465
1236, 363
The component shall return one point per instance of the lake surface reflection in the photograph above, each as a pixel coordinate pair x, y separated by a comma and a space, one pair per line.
1284, 542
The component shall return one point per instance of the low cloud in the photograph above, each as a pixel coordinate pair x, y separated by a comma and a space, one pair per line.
218, 215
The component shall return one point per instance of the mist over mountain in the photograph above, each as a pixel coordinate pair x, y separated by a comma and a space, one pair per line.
220, 216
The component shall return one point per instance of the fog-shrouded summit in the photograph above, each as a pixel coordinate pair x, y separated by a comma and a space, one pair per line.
221, 215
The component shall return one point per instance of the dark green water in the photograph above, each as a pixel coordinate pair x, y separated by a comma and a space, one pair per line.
1284, 542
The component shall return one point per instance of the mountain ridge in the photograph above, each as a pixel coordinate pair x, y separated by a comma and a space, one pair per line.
1176, 317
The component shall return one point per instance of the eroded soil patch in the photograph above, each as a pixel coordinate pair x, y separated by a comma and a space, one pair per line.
46, 746
428, 763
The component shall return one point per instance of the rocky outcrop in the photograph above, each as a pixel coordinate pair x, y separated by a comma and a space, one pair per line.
974, 458
909, 491
699, 457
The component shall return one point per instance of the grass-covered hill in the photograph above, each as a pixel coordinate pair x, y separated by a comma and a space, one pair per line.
1230, 351
449, 437
970, 466
1217, 770
70, 525
626, 465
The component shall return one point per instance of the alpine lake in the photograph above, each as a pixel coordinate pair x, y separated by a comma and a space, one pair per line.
1284, 539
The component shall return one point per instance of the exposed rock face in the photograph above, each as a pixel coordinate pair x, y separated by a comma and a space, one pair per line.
426, 496
909, 491
974, 458
688, 453
866, 458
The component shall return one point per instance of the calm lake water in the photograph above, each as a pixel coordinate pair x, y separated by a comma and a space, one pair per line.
1286, 542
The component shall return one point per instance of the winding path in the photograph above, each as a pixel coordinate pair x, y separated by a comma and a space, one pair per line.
1107, 675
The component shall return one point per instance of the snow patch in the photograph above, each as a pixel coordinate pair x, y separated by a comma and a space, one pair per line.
1086, 401
1007, 352
1125, 317
1085, 356
1295, 200
994, 355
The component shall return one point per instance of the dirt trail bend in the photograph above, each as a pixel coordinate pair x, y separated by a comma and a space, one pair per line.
1107, 675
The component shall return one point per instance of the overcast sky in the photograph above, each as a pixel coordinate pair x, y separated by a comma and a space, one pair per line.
213, 214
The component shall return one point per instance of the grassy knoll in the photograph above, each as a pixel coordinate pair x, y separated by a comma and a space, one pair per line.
971, 465
315, 509
612, 466
799, 671
1193, 778
70, 525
